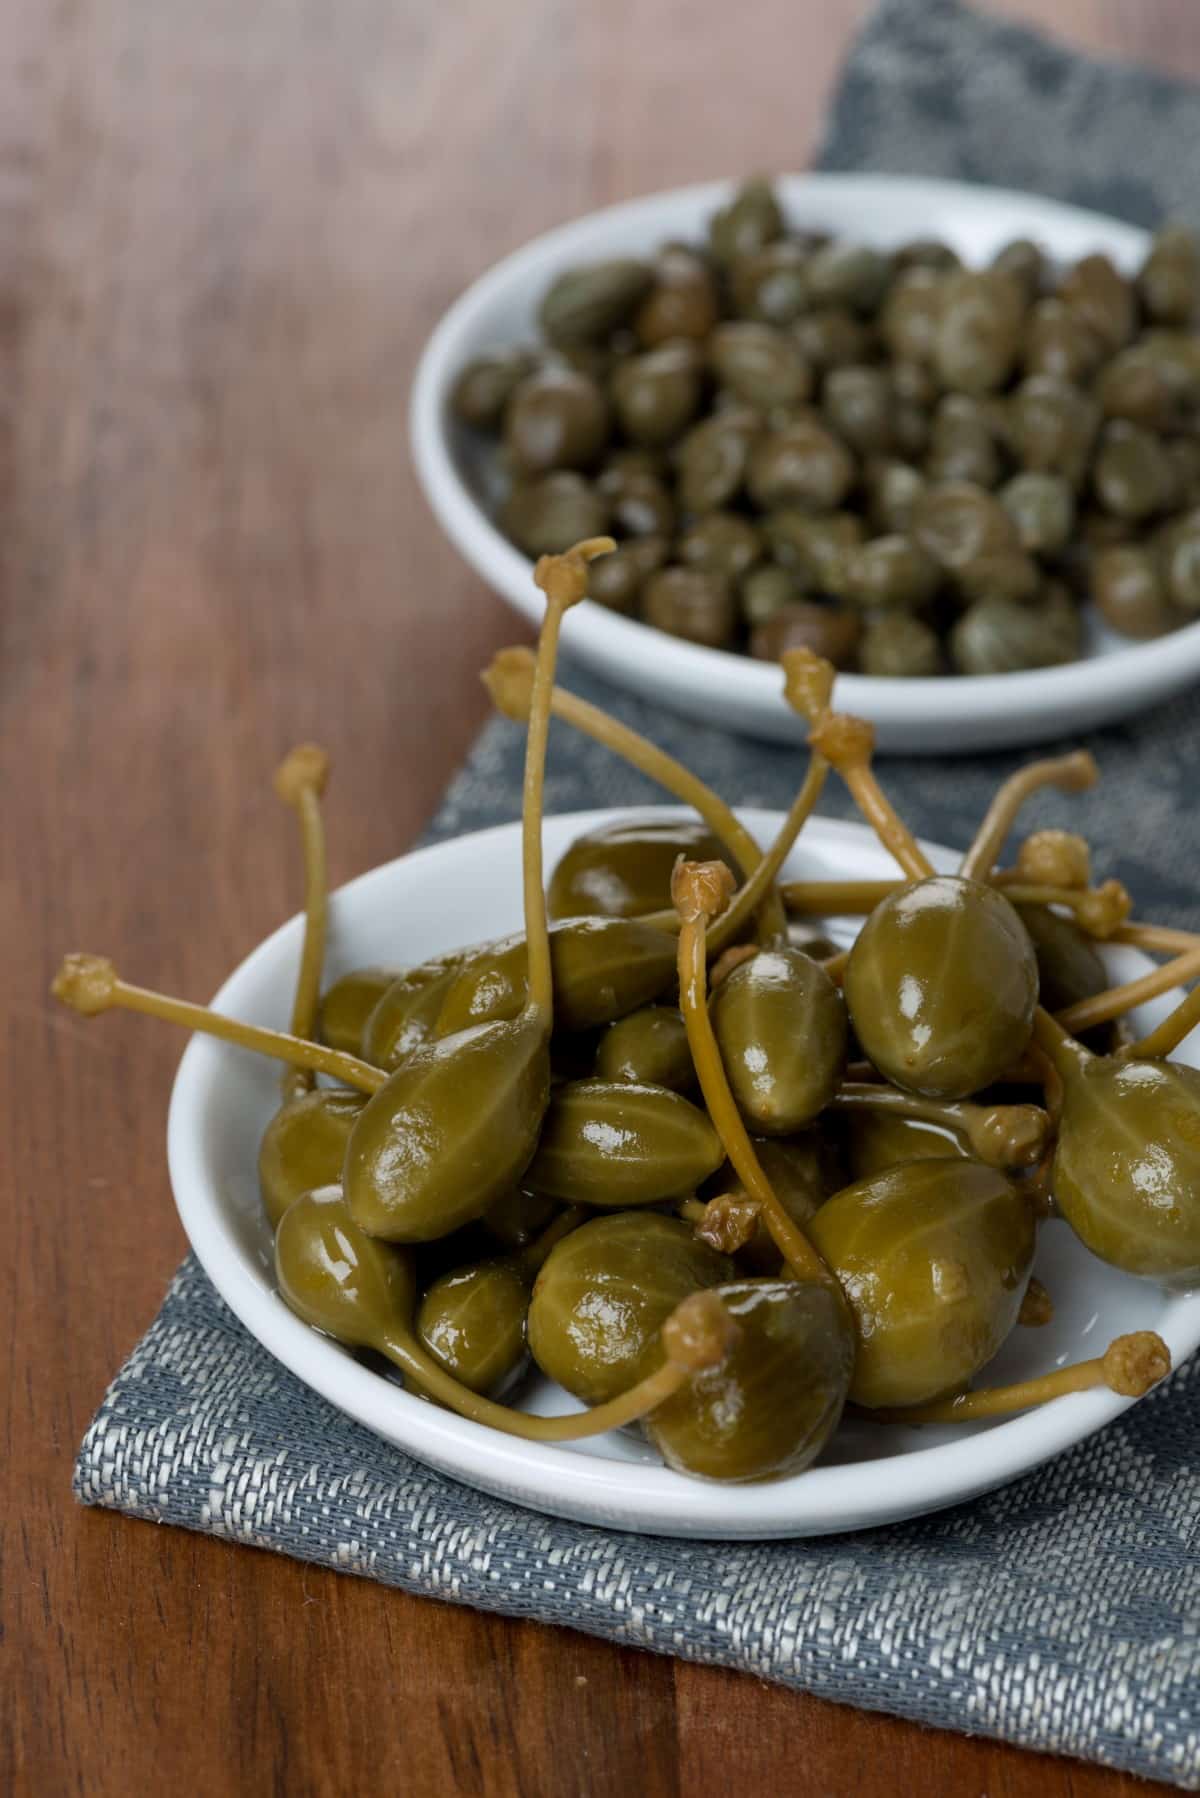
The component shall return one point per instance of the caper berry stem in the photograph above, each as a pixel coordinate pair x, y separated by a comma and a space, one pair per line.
1001, 1135
532, 1256
696, 1336
848, 744
90, 984
507, 680
1117, 1000
831, 898
300, 782
1070, 773
700, 890
1130, 1366
563, 579
1101, 911
1064, 1053
1177, 1024
1159, 939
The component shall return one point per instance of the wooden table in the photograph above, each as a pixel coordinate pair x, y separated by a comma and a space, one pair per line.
224, 234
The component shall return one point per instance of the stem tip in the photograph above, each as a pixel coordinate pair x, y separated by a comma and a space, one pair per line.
699, 1332
304, 769
701, 889
563, 579
86, 983
509, 681
1132, 1364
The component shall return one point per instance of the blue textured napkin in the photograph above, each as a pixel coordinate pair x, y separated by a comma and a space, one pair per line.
1062, 1613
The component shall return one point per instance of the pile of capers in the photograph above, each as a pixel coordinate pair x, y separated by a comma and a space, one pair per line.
909, 466
711, 1174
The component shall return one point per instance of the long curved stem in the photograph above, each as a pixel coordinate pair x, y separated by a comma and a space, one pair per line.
300, 781
1158, 939
1001, 1135
89, 984
533, 1256
1085, 1014
1170, 1033
1130, 1366
833, 898
1071, 773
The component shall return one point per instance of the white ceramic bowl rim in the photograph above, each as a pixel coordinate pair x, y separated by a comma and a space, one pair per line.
633, 1495
615, 639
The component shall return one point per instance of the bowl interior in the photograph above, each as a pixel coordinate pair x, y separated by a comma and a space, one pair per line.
464, 891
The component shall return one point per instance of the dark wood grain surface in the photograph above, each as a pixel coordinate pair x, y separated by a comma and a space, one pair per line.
225, 231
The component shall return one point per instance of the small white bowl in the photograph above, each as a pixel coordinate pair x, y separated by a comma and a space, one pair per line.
951, 715
470, 889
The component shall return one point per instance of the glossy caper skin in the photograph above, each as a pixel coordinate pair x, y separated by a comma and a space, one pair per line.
348, 1003
585, 305
814, 548
304, 1146
472, 1321
888, 573
761, 365
623, 870
850, 275
1042, 506
765, 590
962, 444
875, 1141
555, 419
780, 1024
934, 1258
611, 1143
1069, 966
1127, 1165
406, 1012
1129, 592
604, 1293
770, 1407
484, 387
829, 631
941, 986
1053, 426
656, 395
1132, 474
692, 603
1005, 636
831, 337
639, 504
1102, 298
721, 543
978, 335
545, 517
859, 404
682, 301
893, 489
450, 1132
713, 458
750, 220
802, 464
603, 967
616, 580
962, 527
649, 1047
515, 1219
911, 314
339, 1279
771, 284
1169, 282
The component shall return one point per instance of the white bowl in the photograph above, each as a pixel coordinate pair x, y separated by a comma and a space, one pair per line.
469, 889
951, 715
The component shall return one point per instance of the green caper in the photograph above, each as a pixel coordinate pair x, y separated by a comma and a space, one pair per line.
801, 465
610, 1143
639, 505
484, 387
1169, 284
1103, 299
892, 572
546, 517
512, 1222
682, 301
1042, 506
691, 603
962, 446
585, 305
829, 631
813, 548
772, 283
1053, 426
648, 1048
1129, 592
926, 252
656, 395
765, 590
878, 1140
1133, 386
472, 1321
780, 1023
405, 1014
713, 459
893, 489
304, 1146
1185, 460
1059, 342
1179, 549
616, 580
831, 337
556, 418
751, 220
1023, 260
1132, 474
897, 645
624, 870
721, 543
1003, 636
604, 1293
847, 274
859, 403
911, 314
978, 333
759, 364
961, 526
346, 1006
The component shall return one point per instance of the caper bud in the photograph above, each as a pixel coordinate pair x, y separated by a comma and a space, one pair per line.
829, 631
858, 403
926, 252
1169, 284
691, 603
960, 525
911, 313
751, 220
802, 465
1002, 636
961, 445
721, 543
1059, 342
772, 283
556, 418
1103, 299
812, 548
759, 364
482, 390
639, 505
585, 305
616, 580
713, 458
1133, 386
1052, 427
888, 572
897, 645
546, 517
1185, 460
850, 275
1179, 547
979, 330
1132, 474
682, 301
1129, 592
893, 489
657, 394
765, 590
1023, 260
831, 338
1042, 507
